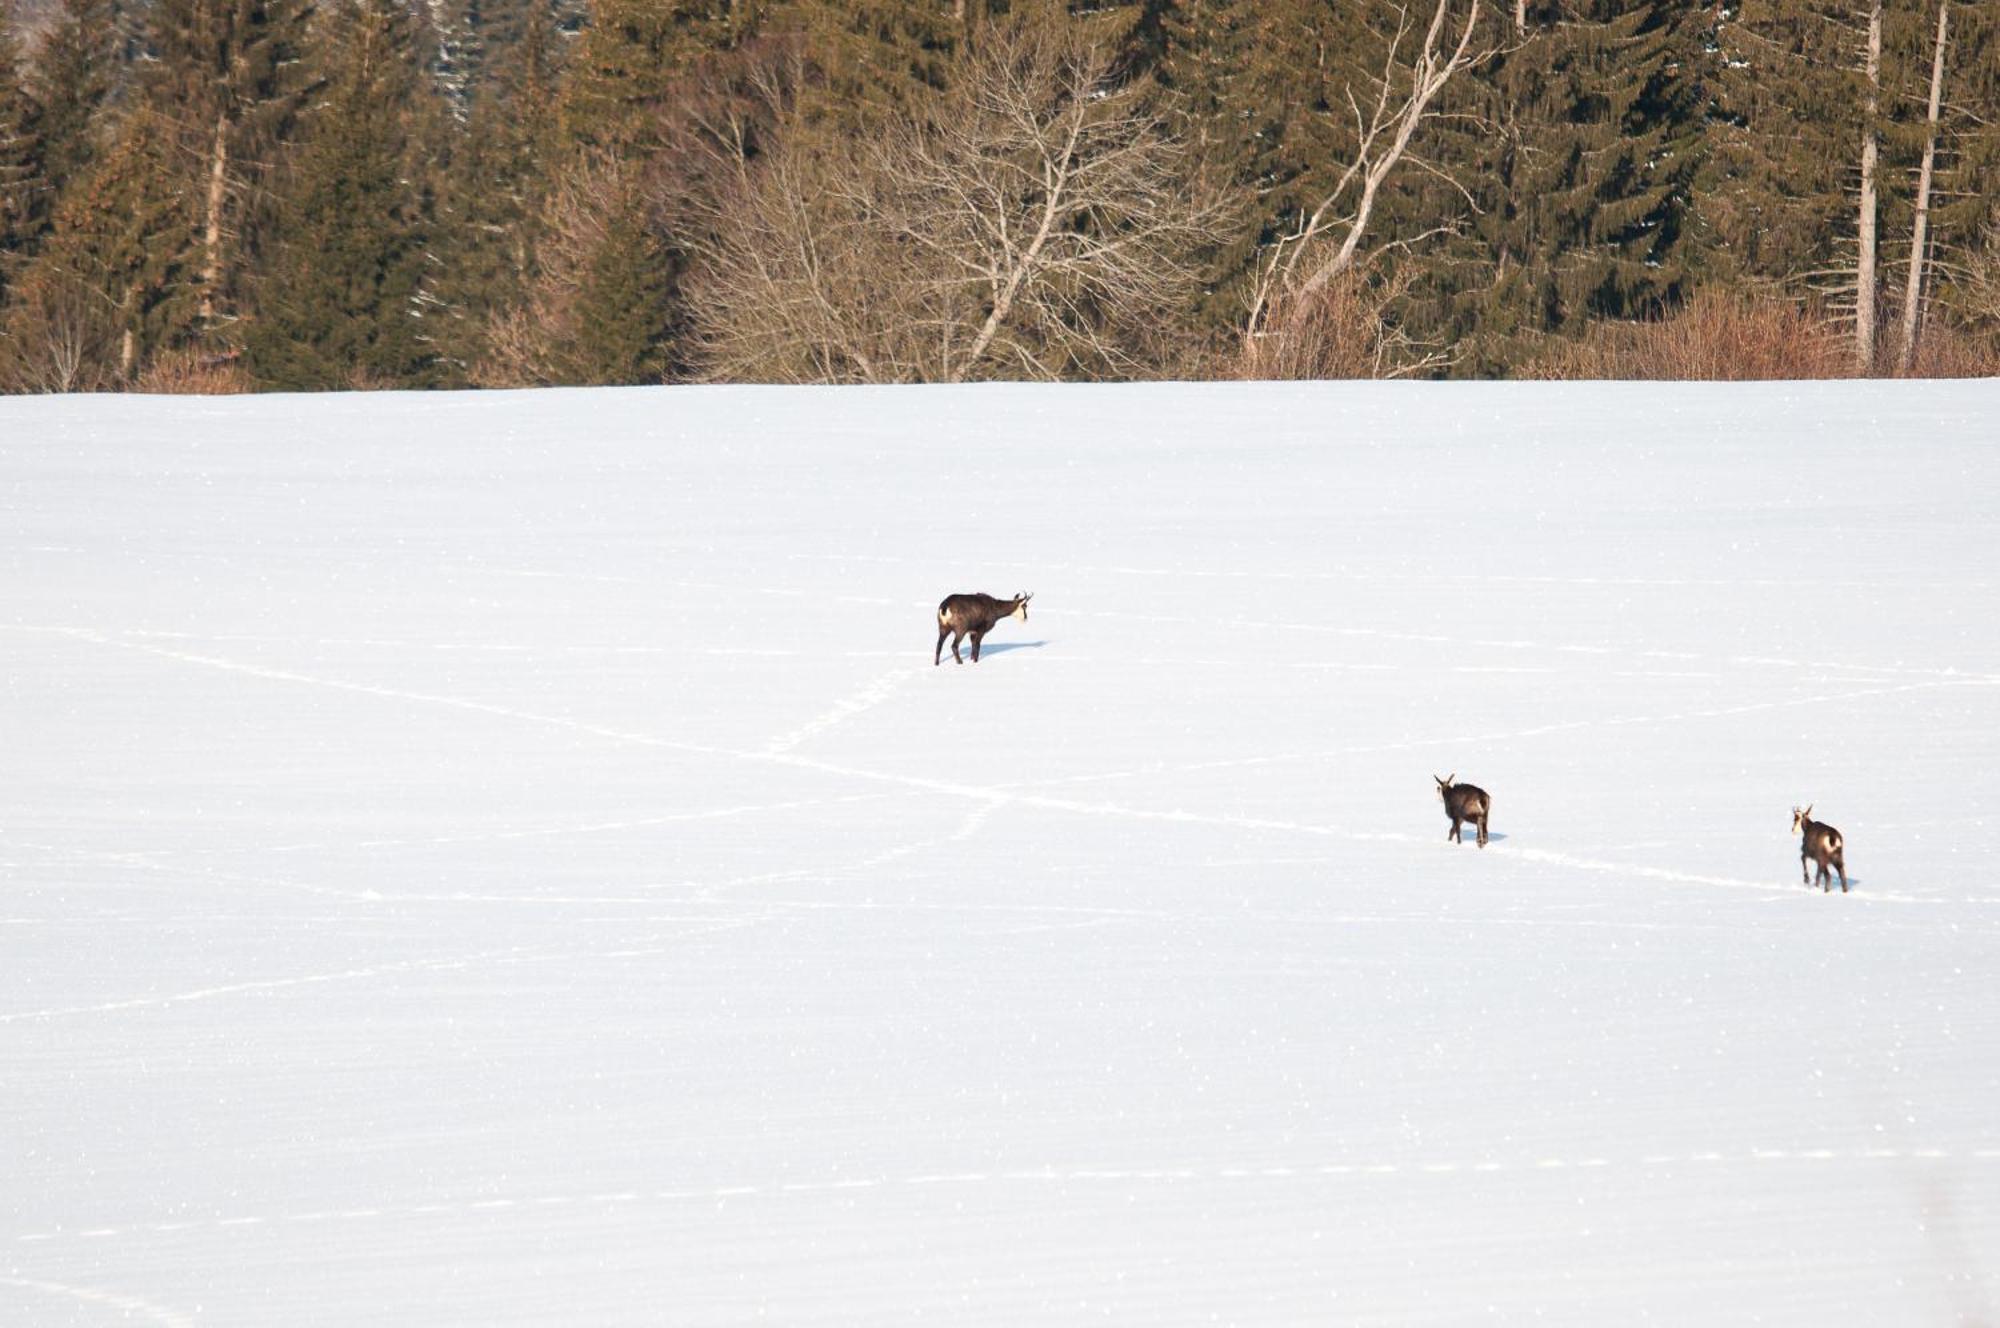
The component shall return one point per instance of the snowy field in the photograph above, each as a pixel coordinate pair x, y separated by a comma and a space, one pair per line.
506, 859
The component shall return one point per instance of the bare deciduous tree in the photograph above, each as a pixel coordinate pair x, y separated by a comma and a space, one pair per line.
56, 337
1327, 243
1037, 222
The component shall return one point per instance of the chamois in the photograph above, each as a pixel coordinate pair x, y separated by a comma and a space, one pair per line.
973, 616
1464, 802
1823, 844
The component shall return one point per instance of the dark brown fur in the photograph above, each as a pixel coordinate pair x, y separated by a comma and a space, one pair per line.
973, 616
1823, 845
1464, 802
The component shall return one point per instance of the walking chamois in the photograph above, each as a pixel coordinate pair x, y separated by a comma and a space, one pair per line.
973, 616
1464, 802
1821, 843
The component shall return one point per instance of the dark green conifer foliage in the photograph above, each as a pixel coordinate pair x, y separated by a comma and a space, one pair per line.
71, 78
1966, 208
340, 307
1259, 87
877, 58
489, 194
628, 59
24, 191
230, 75
1585, 187
111, 277
1777, 198
624, 303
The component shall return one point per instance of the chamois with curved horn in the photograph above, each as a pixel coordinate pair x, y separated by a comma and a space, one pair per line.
1823, 845
973, 616
1464, 802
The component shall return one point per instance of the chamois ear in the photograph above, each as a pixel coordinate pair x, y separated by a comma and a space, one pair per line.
1807, 811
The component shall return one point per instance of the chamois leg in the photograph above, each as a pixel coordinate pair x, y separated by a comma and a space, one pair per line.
937, 656
1452, 834
1840, 863
1482, 829
1805, 878
977, 637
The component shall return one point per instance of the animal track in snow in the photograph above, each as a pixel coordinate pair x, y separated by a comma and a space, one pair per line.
127, 1306
1363, 1169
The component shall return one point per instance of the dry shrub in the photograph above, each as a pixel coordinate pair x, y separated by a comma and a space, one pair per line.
56, 337
189, 373
1715, 337
1344, 329
1944, 351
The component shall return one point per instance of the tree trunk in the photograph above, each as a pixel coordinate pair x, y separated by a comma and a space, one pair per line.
211, 231
1864, 266
1920, 228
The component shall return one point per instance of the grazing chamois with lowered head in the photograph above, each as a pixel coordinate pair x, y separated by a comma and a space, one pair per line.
973, 616
1464, 802
1821, 843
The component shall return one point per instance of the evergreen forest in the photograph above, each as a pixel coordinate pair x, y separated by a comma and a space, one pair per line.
302, 195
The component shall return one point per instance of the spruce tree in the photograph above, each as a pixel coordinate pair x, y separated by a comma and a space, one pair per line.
1584, 191
626, 64
623, 305
340, 305
489, 195
111, 278
877, 58
231, 75
24, 192
71, 78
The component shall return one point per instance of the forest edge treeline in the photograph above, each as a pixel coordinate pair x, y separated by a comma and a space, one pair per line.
282, 194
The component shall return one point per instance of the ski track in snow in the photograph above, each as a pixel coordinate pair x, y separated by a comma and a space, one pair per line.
1363, 1170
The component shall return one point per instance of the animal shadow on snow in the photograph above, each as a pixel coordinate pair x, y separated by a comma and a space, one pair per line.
992, 648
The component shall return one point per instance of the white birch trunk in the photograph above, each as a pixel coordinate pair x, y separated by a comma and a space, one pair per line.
1864, 266
211, 231
1920, 228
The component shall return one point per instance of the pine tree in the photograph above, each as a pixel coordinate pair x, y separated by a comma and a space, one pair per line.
340, 306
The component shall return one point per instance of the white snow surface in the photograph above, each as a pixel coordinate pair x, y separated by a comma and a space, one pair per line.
500, 859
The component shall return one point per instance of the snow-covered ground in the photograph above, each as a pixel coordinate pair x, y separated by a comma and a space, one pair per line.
509, 859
